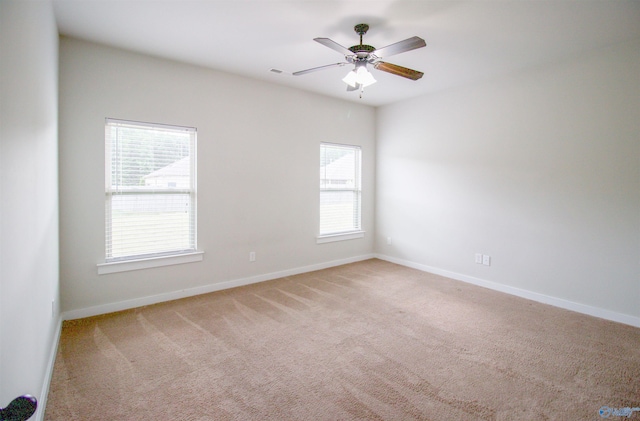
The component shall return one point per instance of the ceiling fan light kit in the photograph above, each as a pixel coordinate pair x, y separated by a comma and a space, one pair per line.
359, 76
361, 55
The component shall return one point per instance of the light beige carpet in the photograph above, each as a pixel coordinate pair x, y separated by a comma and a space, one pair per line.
370, 340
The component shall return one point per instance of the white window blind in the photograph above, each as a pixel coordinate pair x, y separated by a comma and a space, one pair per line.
150, 190
340, 189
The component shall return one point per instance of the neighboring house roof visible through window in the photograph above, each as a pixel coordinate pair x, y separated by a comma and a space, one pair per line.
339, 171
173, 175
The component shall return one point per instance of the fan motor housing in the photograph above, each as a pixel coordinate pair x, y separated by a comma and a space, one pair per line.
362, 48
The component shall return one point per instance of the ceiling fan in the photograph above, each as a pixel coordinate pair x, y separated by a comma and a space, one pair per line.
361, 55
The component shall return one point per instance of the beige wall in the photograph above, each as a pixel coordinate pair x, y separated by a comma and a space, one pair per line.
540, 170
258, 163
29, 316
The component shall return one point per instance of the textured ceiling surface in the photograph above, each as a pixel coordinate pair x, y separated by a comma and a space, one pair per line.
467, 41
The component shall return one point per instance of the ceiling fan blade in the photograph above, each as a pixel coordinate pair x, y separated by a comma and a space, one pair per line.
315, 69
334, 46
394, 69
400, 47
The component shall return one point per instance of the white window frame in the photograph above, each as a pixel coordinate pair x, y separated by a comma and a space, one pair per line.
145, 260
356, 231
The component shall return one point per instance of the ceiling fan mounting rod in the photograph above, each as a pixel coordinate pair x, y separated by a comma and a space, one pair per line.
361, 29
362, 51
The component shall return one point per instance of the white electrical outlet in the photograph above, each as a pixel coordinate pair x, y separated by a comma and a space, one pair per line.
479, 258
486, 260
252, 256
389, 241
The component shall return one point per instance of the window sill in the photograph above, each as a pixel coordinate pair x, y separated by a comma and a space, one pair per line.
153, 262
339, 237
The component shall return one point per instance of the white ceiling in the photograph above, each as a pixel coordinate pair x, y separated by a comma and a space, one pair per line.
467, 41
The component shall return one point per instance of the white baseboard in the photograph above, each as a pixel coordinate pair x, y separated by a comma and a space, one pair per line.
534, 296
174, 295
44, 392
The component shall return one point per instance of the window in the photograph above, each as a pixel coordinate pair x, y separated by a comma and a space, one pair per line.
340, 192
150, 190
